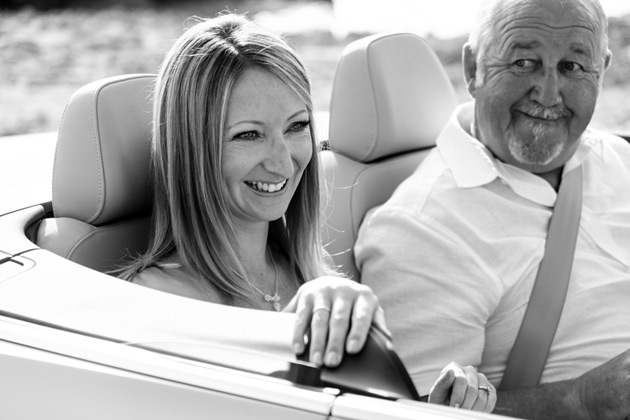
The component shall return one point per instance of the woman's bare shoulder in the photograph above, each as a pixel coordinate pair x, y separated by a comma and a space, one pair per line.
173, 279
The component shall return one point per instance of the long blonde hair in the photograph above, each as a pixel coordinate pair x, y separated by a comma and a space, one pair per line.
190, 212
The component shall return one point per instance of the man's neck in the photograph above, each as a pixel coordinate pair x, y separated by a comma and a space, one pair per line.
553, 177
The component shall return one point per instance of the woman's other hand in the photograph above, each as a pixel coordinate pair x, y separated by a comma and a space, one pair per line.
463, 387
339, 313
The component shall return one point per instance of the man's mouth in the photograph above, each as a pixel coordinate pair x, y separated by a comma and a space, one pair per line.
266, 186
545, 114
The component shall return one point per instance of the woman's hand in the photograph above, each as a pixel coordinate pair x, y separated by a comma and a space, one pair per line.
463, 387
339, 313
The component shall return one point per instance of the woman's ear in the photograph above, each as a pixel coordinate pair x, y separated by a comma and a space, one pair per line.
469, 62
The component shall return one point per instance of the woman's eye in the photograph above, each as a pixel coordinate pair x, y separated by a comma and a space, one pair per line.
299, 126
247, 135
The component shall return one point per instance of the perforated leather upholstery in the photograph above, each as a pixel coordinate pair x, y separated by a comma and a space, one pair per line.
101, 194
390, 99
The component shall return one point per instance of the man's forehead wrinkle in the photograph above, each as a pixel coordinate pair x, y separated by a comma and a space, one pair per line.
516, 32
528, 14
528, 23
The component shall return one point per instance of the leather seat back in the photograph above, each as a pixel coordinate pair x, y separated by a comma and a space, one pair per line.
101, 191
390, 99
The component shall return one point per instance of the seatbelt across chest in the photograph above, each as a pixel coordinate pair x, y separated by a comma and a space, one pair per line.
531, 348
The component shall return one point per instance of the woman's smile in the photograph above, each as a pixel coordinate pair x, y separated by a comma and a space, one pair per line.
267, 186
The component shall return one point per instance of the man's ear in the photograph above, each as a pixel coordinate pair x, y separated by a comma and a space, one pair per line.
607, 59
469, 63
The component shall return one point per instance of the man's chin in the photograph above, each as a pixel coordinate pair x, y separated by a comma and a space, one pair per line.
532, 131
537, 154
540, 169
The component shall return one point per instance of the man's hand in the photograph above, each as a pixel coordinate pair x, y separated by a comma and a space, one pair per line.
462, 386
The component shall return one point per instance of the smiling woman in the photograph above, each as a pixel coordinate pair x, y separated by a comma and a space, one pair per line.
235, 213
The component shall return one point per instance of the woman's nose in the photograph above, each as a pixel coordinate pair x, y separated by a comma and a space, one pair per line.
279, 159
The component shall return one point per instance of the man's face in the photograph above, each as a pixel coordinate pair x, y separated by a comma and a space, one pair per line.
541, 74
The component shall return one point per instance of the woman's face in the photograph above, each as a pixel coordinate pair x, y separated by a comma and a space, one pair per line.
266, 146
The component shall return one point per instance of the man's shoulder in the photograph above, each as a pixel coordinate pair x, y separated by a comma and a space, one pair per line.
430, 196
603, 145
596, 135
431, 175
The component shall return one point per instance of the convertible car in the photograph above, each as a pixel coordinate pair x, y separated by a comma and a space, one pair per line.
78, 343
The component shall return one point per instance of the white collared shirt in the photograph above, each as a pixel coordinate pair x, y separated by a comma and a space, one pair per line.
454, 253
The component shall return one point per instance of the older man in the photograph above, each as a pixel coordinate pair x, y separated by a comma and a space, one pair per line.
454, 253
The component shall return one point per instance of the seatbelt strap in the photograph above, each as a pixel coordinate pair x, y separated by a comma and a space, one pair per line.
531, 348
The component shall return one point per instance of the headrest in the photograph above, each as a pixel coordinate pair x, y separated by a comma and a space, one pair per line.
390, 95
101, 168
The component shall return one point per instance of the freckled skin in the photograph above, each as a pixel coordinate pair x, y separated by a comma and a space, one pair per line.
542, 71
267, 141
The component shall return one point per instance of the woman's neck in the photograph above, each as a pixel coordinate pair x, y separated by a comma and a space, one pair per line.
251, 246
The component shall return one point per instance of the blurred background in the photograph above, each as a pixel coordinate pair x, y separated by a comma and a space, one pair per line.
49, 48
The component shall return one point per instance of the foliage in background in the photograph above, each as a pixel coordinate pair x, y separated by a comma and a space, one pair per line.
46, 55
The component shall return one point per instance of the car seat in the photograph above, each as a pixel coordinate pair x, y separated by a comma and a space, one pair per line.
390, 99
101, 191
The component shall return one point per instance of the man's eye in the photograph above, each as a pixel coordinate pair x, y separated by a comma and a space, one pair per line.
524, 64
570, 67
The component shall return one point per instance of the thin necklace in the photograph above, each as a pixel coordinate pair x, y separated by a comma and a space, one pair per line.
275, 298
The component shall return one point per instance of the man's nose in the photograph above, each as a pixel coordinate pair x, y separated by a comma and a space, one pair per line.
546, 89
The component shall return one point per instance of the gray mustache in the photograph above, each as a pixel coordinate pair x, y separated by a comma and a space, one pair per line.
543, 112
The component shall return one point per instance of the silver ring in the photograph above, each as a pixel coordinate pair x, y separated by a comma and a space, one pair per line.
322, 308
485, 388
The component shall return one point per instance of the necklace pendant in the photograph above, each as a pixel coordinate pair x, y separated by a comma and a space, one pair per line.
272, 298
275, 299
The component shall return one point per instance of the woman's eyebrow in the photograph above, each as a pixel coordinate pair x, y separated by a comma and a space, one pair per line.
301, 111
257, 122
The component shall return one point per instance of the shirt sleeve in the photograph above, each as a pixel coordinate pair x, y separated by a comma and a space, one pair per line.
436, 293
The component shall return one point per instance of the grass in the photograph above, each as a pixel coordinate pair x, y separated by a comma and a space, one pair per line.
46, 56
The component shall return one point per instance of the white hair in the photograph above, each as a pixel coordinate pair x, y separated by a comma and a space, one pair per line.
483, 32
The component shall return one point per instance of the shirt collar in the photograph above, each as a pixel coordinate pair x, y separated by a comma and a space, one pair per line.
473, 165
